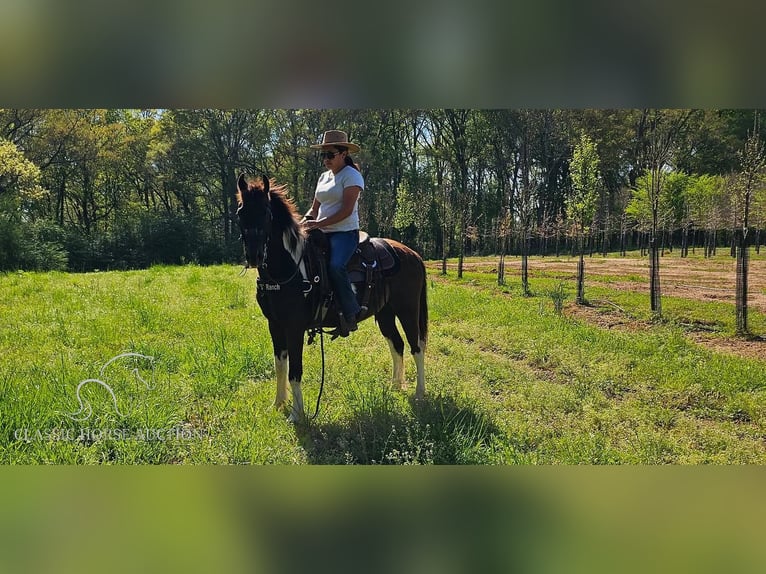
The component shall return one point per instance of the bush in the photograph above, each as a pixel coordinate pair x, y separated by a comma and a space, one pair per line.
38, 246
135, 241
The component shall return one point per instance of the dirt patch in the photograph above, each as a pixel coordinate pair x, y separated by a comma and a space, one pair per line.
690, 278
613, 319
604, 318
751, 349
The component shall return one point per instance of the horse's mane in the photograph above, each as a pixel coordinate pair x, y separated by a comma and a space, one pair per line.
283, 209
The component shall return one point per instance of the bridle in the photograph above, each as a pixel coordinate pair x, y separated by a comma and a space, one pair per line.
266, 283
257, 234
261, 236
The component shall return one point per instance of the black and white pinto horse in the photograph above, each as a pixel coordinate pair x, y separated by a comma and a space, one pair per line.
275, 243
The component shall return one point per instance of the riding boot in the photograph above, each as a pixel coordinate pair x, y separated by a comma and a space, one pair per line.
346, 326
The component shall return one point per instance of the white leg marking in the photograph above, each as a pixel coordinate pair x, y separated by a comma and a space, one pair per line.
297, 414
398, 361
280, 366
420, 390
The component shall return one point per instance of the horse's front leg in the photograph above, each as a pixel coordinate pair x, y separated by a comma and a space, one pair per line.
279, 341
295, 373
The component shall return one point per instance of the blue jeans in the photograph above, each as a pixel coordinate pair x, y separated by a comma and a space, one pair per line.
342, 247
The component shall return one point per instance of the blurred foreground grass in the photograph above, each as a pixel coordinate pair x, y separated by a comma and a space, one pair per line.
440, 520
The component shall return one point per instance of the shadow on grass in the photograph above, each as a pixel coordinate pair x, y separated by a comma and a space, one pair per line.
387, 430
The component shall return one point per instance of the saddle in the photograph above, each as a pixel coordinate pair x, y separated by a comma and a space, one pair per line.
373, 260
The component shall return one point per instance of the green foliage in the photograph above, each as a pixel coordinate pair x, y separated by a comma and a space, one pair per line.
559, 295
19, 177
706, 199
443, 180
584, 171
407, 208
36, 246
143, 239
672, 203
675, 196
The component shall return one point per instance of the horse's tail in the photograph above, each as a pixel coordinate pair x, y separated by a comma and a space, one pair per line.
423, 316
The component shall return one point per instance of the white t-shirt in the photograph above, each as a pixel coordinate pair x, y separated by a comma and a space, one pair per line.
329, 194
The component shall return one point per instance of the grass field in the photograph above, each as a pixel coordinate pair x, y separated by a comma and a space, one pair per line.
509, 380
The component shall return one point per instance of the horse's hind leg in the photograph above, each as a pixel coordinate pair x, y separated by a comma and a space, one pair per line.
387, 325
409, 321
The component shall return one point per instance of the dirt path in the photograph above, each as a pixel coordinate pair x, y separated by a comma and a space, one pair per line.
692, 278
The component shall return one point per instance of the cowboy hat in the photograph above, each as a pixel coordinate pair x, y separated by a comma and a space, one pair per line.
336, 138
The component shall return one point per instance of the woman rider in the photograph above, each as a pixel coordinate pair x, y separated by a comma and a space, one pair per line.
335, 211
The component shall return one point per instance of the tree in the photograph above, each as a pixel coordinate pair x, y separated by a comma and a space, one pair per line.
208, 148
458, 135
749, 180
505, 137
662, 130
581, 203
528, 187
19, 179
20, 194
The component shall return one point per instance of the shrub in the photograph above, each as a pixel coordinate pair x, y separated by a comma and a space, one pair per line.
37, 246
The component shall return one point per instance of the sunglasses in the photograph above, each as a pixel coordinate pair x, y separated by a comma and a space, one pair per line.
329, 154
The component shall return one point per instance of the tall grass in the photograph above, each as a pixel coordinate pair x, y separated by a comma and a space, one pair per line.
509, 380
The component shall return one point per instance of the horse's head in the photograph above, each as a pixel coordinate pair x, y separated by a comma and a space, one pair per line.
255, 218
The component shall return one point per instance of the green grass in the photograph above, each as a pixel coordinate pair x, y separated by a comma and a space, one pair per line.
509, 380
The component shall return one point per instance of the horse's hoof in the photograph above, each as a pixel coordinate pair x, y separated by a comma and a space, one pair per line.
296, 418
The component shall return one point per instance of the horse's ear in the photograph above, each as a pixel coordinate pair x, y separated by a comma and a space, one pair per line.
265, 184
242, 183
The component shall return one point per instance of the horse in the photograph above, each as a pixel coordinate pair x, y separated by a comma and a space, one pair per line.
276, 244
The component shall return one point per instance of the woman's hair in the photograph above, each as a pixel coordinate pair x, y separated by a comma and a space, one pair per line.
349, 160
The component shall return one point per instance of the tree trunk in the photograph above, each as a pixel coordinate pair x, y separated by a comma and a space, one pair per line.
525, 266
654, 278
60, 196
581, 277
623, 239
743, 257
461, 248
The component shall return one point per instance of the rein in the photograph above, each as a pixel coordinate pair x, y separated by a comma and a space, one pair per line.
321, 384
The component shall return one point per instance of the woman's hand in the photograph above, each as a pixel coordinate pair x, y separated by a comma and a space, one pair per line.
309, 224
